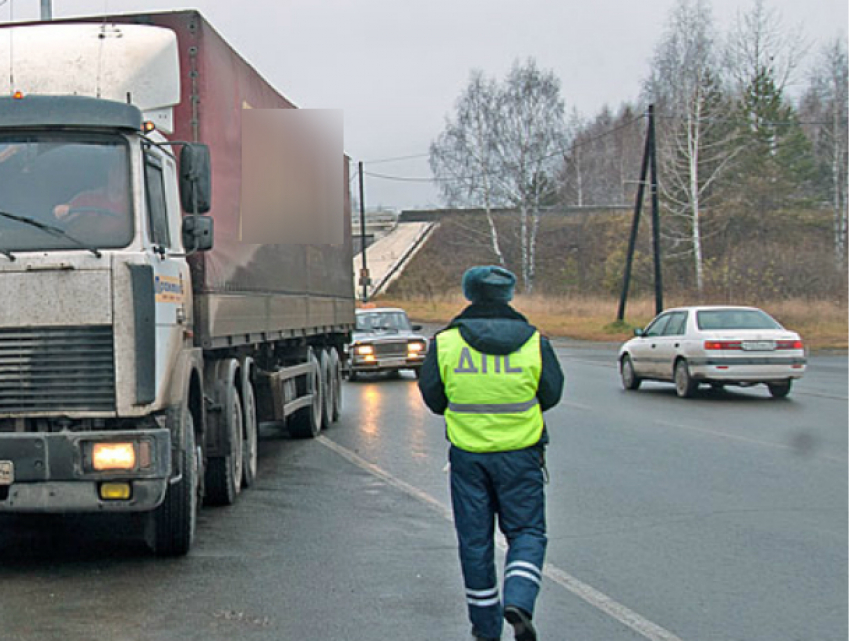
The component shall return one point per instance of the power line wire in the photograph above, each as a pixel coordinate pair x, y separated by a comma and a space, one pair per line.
560, 152
379, 161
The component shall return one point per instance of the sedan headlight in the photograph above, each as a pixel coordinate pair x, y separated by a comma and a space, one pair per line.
416, 346
363, 349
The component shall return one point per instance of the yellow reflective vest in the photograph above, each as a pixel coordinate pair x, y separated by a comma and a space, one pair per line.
493, 403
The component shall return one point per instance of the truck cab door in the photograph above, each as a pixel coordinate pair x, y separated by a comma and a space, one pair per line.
170, 273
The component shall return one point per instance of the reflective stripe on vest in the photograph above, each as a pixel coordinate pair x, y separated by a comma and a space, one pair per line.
493, 404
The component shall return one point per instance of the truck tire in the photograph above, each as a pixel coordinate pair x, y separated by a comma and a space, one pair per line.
175, 520
307, 422
336, 369
224, 473
249, 429
328, 385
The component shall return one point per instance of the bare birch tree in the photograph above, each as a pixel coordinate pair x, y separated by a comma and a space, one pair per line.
529, 144
695, 151
828, 106
463, 157
760, 42
501, 149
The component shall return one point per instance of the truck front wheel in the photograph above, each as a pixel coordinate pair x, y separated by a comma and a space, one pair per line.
174, 521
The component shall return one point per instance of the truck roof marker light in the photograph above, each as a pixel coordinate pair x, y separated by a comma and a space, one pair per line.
18, 95
148, 126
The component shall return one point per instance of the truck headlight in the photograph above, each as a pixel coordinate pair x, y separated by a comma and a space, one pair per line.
113, 456
363, 349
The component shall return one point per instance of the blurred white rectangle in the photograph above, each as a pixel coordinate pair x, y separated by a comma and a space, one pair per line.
292, 176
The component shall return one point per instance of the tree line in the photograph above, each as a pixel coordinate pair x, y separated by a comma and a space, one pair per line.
736, 149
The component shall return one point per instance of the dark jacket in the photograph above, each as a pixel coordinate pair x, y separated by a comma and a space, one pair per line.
492, 328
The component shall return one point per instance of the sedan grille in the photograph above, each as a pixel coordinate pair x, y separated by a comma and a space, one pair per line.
56, 369
394, 348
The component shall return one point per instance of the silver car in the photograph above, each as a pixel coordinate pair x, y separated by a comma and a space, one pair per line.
385, 341
714, 345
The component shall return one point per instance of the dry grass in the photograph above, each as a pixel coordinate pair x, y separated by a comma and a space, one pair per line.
822, 324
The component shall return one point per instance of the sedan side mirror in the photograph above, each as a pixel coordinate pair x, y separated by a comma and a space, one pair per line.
638, 332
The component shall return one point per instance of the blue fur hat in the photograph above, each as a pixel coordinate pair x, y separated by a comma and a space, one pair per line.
488, 283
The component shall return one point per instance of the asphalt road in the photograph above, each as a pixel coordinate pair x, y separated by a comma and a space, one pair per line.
722, 517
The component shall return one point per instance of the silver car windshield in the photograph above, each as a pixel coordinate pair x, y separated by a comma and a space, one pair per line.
382, 321
720, 319
78, 185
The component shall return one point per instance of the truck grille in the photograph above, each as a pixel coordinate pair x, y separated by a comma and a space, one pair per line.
394, 348
56, 369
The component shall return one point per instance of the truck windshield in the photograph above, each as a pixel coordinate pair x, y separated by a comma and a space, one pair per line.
78, 184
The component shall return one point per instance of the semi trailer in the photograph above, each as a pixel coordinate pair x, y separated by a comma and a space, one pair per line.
141, 342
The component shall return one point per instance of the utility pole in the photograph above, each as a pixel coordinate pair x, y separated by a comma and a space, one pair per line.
656, 217
630, 252
47, 10
364, 271
648, 165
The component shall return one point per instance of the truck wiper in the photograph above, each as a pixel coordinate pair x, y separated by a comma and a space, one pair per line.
7, 254
50, 229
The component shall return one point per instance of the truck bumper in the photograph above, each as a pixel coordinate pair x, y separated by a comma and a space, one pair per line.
53, 472
359, 364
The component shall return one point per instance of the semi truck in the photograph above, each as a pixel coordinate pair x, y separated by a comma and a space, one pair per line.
141, 342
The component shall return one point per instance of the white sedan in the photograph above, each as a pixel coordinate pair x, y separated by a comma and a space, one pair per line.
714, 345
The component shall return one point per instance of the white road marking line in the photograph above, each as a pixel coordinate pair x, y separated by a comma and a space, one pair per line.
578, 406
735, 437
592, 596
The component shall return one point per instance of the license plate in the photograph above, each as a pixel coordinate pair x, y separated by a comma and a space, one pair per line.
7, 472
394, 362
758, 346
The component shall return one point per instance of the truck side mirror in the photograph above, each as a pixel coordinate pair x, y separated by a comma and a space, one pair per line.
197, 233
195, 178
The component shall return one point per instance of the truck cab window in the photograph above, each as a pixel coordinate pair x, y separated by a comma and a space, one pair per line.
157, 210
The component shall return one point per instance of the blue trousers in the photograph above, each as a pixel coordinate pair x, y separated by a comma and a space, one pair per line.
507, 485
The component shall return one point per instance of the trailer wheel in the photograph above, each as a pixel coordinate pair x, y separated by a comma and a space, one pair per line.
307, 422
174, 521
328, 385
224, 473
336, 377
249, 442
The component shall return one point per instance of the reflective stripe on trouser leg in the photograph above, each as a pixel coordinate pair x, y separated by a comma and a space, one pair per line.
522, 519
474, 513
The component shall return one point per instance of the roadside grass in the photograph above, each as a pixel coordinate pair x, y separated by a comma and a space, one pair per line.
822, 324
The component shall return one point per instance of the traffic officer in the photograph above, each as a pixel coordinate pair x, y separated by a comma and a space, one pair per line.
492, 375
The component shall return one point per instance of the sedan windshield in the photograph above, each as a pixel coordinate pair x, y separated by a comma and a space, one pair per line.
382, 321
64, 190
720, 319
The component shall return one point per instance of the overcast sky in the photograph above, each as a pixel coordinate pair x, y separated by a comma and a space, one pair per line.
396, 67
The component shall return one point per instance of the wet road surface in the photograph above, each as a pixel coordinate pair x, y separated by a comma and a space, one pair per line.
721, 517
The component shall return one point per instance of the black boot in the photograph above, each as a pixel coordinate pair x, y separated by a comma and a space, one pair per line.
521, 621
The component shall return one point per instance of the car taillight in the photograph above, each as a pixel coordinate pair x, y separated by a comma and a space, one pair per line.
722, 345
789, 344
